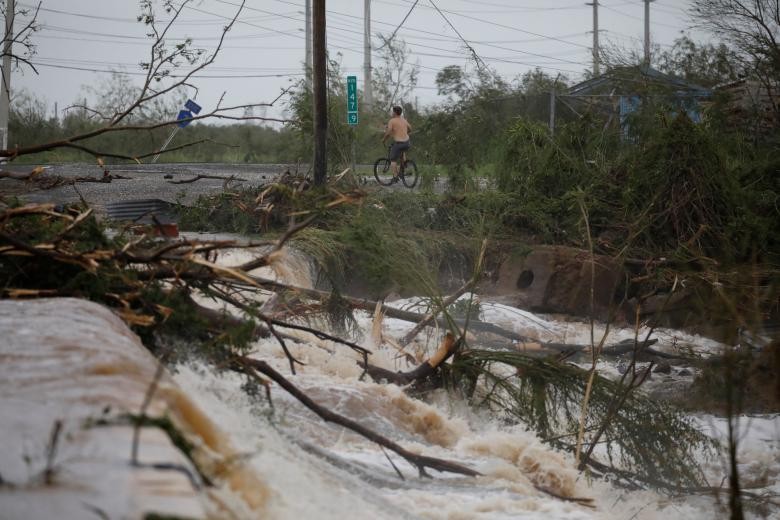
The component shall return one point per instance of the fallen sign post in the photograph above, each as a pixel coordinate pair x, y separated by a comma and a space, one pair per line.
184, 118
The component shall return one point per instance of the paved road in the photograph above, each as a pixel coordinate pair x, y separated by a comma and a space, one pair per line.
143, 182
147, 181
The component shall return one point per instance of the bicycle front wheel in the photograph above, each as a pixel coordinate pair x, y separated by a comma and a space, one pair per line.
410, 174
382, 172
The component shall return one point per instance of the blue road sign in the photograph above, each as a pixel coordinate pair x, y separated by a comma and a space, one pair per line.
183, 116
352, 100
192, 106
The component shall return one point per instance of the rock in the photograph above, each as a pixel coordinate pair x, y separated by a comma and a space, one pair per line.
684, 372
663, 368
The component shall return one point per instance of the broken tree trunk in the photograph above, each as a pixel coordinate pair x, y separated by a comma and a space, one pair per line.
426, 321
448, 347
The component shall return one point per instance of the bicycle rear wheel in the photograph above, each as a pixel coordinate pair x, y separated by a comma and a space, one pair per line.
382, 172
410, 174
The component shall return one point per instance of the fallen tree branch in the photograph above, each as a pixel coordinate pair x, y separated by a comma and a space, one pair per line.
199, 177
426, 321
447, 348
21, 176
272, 321
421, 462
370, 306
586, 502
291, 232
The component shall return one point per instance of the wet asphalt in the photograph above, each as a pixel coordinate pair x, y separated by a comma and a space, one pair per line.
154, 181
146, 181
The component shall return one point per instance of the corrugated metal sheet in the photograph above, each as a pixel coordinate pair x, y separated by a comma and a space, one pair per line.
142, 211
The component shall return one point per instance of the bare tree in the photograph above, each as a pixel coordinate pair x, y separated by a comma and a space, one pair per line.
21, 36
751, 27
169, 68
395, 77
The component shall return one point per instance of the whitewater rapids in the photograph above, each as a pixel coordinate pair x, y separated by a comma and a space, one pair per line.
322, 471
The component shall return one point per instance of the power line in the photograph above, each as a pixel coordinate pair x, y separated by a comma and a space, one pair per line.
468, 46
119, 64
130, 20
492, 4
400, 24
293, 33
496, 24
636, 17
70, 30
146, 43
174, 76
626, 36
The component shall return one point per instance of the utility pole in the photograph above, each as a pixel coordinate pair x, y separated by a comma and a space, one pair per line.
552, 108
647, 32
307, 17
367, 90
5, 88
320, 95
595, 5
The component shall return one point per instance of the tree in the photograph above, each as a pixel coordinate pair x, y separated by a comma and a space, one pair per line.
752, 29
452, 81
704, 64
21, 37
118, 92
535, 82
29, 119
395, 77
168, 70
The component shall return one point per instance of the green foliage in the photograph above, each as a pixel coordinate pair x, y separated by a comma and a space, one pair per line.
466, 132
466, 309
704, 64
394, 77
340, 317
647, 438
382, 255
109, 281
221, 213
547, 175
680, 188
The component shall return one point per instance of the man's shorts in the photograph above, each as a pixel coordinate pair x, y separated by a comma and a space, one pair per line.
397, 148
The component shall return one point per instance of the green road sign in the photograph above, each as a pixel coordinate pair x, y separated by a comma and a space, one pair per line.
352, 100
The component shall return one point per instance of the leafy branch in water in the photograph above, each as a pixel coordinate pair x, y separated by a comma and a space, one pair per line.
644, 440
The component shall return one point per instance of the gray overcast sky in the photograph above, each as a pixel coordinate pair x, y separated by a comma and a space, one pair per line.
82, 39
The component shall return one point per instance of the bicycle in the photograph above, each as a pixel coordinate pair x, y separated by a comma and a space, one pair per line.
407, 170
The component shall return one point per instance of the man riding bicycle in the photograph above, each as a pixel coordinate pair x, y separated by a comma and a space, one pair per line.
399, 129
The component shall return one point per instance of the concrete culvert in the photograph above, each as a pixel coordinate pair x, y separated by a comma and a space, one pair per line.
525, 279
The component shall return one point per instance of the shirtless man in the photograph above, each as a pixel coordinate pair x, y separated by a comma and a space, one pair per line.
399, 129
